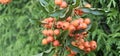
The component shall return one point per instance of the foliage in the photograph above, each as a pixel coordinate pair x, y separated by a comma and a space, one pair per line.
20, 27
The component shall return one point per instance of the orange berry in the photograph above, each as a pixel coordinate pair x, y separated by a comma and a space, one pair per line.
50, 32
56, 31
69, 19
75, 23
5, 1
49, 25
56, 43
71, 28
50, 19
81, 47
81, 20
73, 43
83, 25
63, 5
78, 27
50, 39
87, 21
86, 44
44, 41
93, 45
59, 24
65, 25
78, 12
44, 32
87, 50
82, 40
58, 2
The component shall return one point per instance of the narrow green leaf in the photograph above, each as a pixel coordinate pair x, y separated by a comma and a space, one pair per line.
93, 26
96, 12
43, 3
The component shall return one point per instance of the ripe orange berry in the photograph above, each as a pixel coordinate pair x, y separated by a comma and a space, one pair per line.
79, 27
81, 47
86, 44
81, 20
5, 1
56, 43
65, 25
87, 50
56, 32
58, 2
50, 25
50, 32
75, 23
83, 25
82, 40
94, 42
69, 19
87, 21
59, 24
44, 32
50, 39
71, 28
78, 12
44, 41
50, 19
73, 43
93, 45
63, 5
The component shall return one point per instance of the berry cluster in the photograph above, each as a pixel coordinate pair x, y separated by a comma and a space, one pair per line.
5, 1
76, 28
61, 3
72, 26
49, 33
85, 45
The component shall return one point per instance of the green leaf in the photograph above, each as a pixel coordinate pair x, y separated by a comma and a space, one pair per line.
40, 54
67, 13
76, 3
86, 10
91, 54
93, 26
66, 53
57, 13
48, 51
43, 3
96, 12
